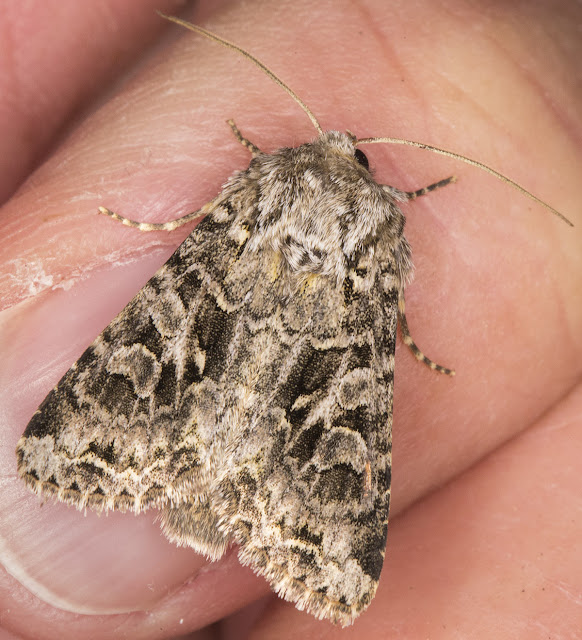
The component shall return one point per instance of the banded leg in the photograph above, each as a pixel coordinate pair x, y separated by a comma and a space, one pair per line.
159, 226
406, 337
412, 195
239, 136
178, 222
409, 342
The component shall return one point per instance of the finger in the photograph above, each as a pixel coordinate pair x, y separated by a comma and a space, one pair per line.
168, 183
56, 59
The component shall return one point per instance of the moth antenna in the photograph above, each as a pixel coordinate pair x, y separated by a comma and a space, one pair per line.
248, 56
474, 163
389, 140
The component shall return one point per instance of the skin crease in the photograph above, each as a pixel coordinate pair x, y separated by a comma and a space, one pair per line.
483, 540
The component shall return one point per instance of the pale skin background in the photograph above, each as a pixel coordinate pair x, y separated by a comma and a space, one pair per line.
102, 103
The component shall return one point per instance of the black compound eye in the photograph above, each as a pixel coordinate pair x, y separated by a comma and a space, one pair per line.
362, 158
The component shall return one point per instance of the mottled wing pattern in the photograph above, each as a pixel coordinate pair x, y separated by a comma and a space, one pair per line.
303, 471
247, 388
120, 428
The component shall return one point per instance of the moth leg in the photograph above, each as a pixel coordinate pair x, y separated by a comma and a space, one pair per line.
245, 143
412, 195
178, 222
409, 342
161, 226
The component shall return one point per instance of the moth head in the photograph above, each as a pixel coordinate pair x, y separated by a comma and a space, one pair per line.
319, 207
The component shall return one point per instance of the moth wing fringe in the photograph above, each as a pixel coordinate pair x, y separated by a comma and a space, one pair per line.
298, 593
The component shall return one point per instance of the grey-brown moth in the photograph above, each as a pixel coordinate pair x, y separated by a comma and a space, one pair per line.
246, 390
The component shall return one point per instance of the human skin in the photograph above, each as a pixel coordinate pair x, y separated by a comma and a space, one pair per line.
486, 519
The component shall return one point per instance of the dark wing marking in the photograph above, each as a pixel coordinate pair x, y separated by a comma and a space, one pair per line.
302, 480
120, 428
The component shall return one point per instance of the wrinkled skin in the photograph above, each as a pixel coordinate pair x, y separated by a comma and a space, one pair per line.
486, 491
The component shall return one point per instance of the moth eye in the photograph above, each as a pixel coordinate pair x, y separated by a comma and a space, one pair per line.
362, 158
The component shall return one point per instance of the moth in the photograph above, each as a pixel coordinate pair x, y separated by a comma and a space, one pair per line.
246, 391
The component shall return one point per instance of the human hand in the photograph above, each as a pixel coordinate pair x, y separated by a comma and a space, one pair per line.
496, 296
